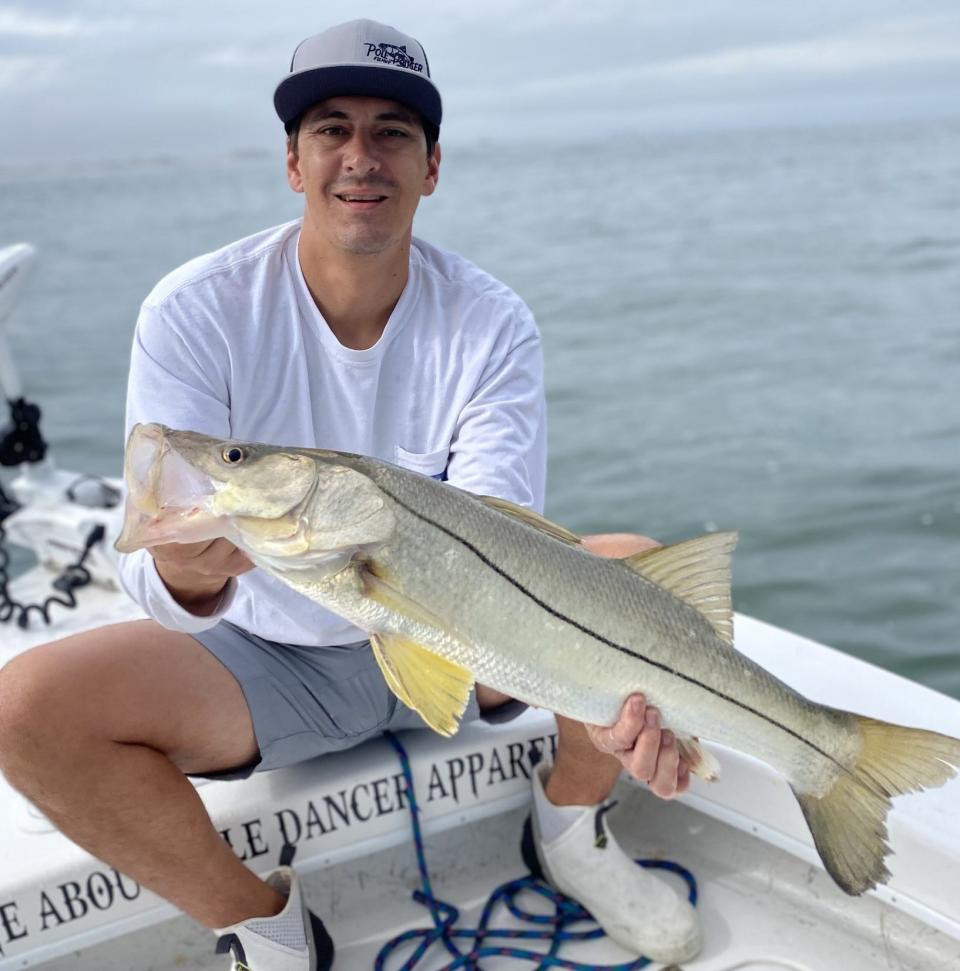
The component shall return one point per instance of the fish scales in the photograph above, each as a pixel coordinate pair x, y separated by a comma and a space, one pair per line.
513, 595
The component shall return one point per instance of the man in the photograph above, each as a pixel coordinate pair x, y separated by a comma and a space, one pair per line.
337, 331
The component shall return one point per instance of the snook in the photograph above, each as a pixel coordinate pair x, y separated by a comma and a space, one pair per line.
455, 588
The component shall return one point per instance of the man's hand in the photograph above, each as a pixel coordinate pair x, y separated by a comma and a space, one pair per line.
196, 573
645, 749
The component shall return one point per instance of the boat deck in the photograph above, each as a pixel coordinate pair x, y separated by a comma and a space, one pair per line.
762, 909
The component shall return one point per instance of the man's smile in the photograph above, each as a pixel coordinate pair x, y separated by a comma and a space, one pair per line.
360, 200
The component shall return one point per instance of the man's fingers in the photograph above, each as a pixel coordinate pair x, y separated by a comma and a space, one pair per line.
214, 558
237, 563
664, 780
641, 762
602, 738
630, 724
647, 750
621, 736
223, 559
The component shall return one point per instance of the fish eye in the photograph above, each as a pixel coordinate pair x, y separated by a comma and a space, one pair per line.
233, 454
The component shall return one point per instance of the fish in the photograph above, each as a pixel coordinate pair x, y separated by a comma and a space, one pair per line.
456, 589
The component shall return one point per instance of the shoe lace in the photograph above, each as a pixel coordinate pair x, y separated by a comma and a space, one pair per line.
599, 832
231, 943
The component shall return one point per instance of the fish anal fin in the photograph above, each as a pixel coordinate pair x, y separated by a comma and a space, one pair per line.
434, 687
531, 518
701, 760
849, 821
698, 572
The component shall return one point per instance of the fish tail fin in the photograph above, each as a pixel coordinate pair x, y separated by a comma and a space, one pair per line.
849, 822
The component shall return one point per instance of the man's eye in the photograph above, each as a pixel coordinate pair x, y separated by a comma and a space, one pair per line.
331, 130
396, 132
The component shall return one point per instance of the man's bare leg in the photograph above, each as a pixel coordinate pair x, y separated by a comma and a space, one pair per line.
97, 731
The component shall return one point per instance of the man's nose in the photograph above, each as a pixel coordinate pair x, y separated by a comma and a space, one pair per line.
360, 154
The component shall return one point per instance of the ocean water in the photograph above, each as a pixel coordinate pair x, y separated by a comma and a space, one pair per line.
755, 330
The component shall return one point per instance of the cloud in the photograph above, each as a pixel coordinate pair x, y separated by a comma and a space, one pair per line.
24, 72
16, 23
891, 44
894, 44
13, 23
239, 57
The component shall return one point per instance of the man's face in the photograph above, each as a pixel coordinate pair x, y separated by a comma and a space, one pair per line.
362, 165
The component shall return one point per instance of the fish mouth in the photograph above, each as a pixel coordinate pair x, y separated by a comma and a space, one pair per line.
166, 495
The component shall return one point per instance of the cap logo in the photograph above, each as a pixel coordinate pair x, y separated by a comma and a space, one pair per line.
393, 54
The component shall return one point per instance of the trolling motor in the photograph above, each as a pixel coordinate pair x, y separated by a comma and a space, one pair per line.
52, 512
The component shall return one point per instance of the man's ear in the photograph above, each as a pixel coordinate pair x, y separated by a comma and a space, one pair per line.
433, 172
294, 178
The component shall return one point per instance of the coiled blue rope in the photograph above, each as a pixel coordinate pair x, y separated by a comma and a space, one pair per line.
445, 916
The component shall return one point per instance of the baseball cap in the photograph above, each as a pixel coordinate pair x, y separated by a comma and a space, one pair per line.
361, 57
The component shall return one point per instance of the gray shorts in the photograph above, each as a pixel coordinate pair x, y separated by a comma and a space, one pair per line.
309, 701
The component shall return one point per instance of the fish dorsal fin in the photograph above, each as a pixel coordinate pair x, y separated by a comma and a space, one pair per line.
531, 518
698, 572
437, 689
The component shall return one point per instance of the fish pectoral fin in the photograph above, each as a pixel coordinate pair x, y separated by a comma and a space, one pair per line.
377, 586
701, 761
531, 518
698, 572
437, 689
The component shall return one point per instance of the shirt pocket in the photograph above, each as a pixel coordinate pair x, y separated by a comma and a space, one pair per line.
433, 464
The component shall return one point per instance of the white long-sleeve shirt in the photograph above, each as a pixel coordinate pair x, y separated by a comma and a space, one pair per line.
232, 345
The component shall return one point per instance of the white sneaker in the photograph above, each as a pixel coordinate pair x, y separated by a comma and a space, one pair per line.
306, 945
636, 909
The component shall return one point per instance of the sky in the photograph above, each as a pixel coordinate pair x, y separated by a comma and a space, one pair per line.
90, 79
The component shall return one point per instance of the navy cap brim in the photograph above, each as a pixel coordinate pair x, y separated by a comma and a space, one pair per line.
299, 91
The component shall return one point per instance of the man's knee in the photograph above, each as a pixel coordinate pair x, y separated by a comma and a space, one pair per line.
31, 712
129, 684
55, 701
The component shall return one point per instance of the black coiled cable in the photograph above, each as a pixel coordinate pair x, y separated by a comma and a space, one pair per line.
75, 576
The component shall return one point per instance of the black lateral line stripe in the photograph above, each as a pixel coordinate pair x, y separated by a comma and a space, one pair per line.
603, 640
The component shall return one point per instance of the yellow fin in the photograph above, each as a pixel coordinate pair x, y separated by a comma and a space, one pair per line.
531, 518
698, 572
437, 689
701, 761
849, 821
